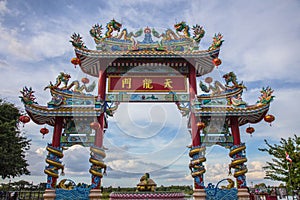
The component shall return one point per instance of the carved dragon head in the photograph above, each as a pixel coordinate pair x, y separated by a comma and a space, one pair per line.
229, 77
180, 26
116, 26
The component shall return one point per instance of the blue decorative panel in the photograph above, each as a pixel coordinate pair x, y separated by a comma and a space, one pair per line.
77, 193
221, 194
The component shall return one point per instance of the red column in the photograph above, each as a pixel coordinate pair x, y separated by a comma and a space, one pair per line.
56, 140
57, 131
193, 92
101, 94
198, 181
96, 180
100, 131
235, 130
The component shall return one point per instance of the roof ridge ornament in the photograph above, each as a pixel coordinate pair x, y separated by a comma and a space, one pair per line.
117, 38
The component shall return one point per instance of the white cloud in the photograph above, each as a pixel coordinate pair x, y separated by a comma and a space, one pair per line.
3, 7
40, 151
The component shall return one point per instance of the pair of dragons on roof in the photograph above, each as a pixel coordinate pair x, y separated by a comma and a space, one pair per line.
182, 32
113, 25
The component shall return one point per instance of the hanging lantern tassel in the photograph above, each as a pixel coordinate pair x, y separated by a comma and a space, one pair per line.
269, 119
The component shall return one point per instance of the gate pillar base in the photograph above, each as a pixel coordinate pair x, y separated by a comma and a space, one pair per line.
199, 194
95, 194
243, 194
49, 194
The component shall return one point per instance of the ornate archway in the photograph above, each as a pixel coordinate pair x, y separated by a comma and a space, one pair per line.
160, 67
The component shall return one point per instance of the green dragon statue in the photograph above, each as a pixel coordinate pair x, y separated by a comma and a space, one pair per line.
231, 78
171, 35
128, 36
217, 42
198, 33
182, 27
77, 41
64, 78
168, 35
111, 26
217, 87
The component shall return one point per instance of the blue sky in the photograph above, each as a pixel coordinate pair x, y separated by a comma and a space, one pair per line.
261, 46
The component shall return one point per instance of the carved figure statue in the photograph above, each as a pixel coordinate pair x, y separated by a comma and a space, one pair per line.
146, 183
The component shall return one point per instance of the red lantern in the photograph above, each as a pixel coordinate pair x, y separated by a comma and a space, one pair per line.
85, 80
208, 80
24, 119
75, 61
44, 131
95, 125
269, 119
217, 61
201, 125
250, 130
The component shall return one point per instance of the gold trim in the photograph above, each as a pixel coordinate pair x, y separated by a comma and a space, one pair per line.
234, 151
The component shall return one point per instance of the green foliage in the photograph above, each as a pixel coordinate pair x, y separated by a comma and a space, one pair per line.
280, 169
12, 143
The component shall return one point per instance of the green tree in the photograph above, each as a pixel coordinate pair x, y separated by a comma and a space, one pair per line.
13, 144
280, 169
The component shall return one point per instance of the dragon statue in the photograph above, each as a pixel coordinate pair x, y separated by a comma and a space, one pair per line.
182, 27
217, 88
128, 36
266, 96
64, 78
27, 96
168, 35
171, 35
217, 42
77, 41
112, 26
198, 33
231, 78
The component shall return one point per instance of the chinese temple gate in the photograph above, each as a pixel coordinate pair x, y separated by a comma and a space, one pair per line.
147, 66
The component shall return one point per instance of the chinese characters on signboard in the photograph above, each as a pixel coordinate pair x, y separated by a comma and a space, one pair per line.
147, 84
